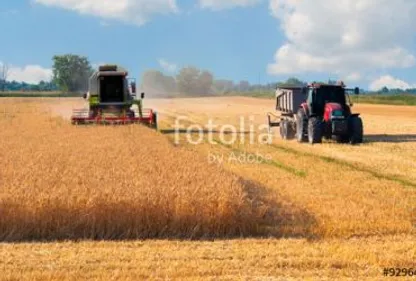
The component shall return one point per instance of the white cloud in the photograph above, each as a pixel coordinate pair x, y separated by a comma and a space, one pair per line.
226, 4
389, 82
344, 37
29, 74
167, 66
129, 11
353, 77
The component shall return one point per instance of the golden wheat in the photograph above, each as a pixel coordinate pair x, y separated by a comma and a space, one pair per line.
268, 259
336, 190
64, 182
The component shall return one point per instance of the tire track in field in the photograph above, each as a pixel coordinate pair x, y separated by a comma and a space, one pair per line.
342, 163
346, 164
273, 163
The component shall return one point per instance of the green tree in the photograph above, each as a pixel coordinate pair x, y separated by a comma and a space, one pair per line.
4, 73
71, 72
187, 80
43, 86
384, 90
243, 86
293, 82
204, 83
223, 86
191, 81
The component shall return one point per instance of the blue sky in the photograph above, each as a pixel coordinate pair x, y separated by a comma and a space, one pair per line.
254, 40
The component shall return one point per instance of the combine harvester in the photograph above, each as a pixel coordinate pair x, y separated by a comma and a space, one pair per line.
111, 96
317, 111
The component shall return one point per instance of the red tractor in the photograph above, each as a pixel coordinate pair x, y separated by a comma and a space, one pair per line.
317, 111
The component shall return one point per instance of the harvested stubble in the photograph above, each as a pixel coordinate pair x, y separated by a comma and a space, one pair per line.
248, 259
63, 182
343, 190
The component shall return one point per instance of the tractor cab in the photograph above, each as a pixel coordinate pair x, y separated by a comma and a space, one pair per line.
328, 111
323, 97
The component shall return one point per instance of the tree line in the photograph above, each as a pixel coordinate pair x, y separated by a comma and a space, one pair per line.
192, 81
42, 86
71, 73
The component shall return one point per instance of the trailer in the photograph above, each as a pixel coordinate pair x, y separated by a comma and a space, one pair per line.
316, 111
288, 101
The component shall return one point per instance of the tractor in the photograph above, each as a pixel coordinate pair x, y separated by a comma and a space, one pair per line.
111, 96
317, 111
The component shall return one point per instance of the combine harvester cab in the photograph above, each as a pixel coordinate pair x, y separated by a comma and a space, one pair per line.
316, 111
111, 96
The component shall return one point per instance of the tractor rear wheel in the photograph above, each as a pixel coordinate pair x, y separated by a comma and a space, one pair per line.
356, 130
315, 130
301, 126
342, 139
286, 130
291, 133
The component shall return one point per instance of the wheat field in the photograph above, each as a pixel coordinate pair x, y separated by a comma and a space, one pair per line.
342, 190
325, 212
251, 259
61, 182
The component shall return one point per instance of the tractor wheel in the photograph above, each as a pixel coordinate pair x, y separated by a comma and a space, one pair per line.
314, 130
301, 126
290, 131
342, 139
356, 130
154, 121
286, 130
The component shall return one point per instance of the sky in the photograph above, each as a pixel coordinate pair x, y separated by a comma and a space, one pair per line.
366, 43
